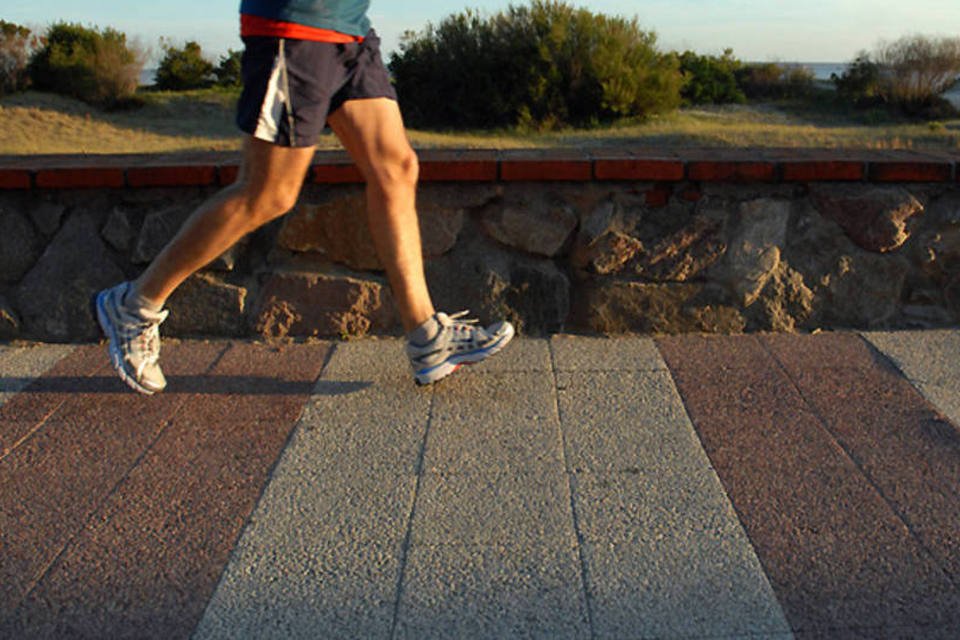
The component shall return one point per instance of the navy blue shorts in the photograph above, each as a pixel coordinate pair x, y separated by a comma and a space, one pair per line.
290, 87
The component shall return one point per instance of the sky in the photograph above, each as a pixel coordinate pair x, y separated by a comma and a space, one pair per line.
756, 30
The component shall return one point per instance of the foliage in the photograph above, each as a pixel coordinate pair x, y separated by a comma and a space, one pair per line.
859, 84
228, 69
96, 66
544, 65
771, 81
917, 70
710, 79
16, 44
183, 68
907, 76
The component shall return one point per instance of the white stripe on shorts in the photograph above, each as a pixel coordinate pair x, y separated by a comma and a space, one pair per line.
268, 125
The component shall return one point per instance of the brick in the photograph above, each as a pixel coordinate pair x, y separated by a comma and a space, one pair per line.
227, 174
823, 171
172, 176
335, 173
731, 171
80, 178
14, 179
549, 170
638, 169
913, 171
458, 171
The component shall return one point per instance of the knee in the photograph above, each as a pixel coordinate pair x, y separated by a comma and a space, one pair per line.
399, 169
266, 205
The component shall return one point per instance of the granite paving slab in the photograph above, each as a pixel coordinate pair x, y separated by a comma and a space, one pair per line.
841, 560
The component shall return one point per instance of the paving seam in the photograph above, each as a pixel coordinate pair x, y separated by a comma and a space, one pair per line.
96, 510
584, 582
40, 423
918, 384
405, 547
824, 425
263, 488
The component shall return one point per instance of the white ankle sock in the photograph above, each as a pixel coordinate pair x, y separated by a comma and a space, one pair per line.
425, 332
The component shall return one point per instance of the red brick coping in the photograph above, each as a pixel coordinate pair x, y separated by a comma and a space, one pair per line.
452, 165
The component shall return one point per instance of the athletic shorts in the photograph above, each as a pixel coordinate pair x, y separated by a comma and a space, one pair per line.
290, 87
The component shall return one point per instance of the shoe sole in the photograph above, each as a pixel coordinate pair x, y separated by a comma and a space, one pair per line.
116, 357
441, 371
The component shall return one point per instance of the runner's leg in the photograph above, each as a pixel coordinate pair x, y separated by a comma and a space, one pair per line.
372, 131
268, 186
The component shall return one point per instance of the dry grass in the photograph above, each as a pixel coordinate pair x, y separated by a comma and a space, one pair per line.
36, 123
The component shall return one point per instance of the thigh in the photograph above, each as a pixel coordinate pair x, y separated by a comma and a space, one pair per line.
372, 132
273, 171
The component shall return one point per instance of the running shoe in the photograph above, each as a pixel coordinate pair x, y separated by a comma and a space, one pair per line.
458, 342
134, 337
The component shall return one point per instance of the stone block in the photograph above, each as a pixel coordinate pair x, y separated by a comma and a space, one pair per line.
323, 302
159, 228
611, 307
9, 321
205, 305
534, 221
19, 245
875, 218
495, 283
54, 298
755, 248
118, 231
46, 216
336, 227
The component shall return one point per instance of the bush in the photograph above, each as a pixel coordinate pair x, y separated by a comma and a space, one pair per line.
228, 69
710, 79
772, 81
16, 44
182, 69
96, 66
916, 70
544, 65
859, 84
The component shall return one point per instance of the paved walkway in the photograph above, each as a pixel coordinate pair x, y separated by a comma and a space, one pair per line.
770, 486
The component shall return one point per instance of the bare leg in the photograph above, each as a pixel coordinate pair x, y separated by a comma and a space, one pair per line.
372, 132
269, 183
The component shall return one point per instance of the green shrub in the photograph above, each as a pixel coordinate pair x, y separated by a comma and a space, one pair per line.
228, 69
710, 79
16, 44
772, 81
96, 66
859, 84
183, 68
544, 65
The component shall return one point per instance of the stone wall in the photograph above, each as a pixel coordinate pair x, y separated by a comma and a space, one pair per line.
626, 241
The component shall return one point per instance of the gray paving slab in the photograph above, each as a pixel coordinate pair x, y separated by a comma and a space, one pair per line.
629, 353
665, 554
19, 366
469, 591
322, 553
930, 360
612, 421
520, 510
495, 422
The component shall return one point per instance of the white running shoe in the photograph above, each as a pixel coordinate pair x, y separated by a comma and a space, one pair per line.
134, 340
458, 342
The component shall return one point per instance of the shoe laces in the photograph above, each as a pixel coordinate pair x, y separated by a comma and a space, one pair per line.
459, 323
144, 338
